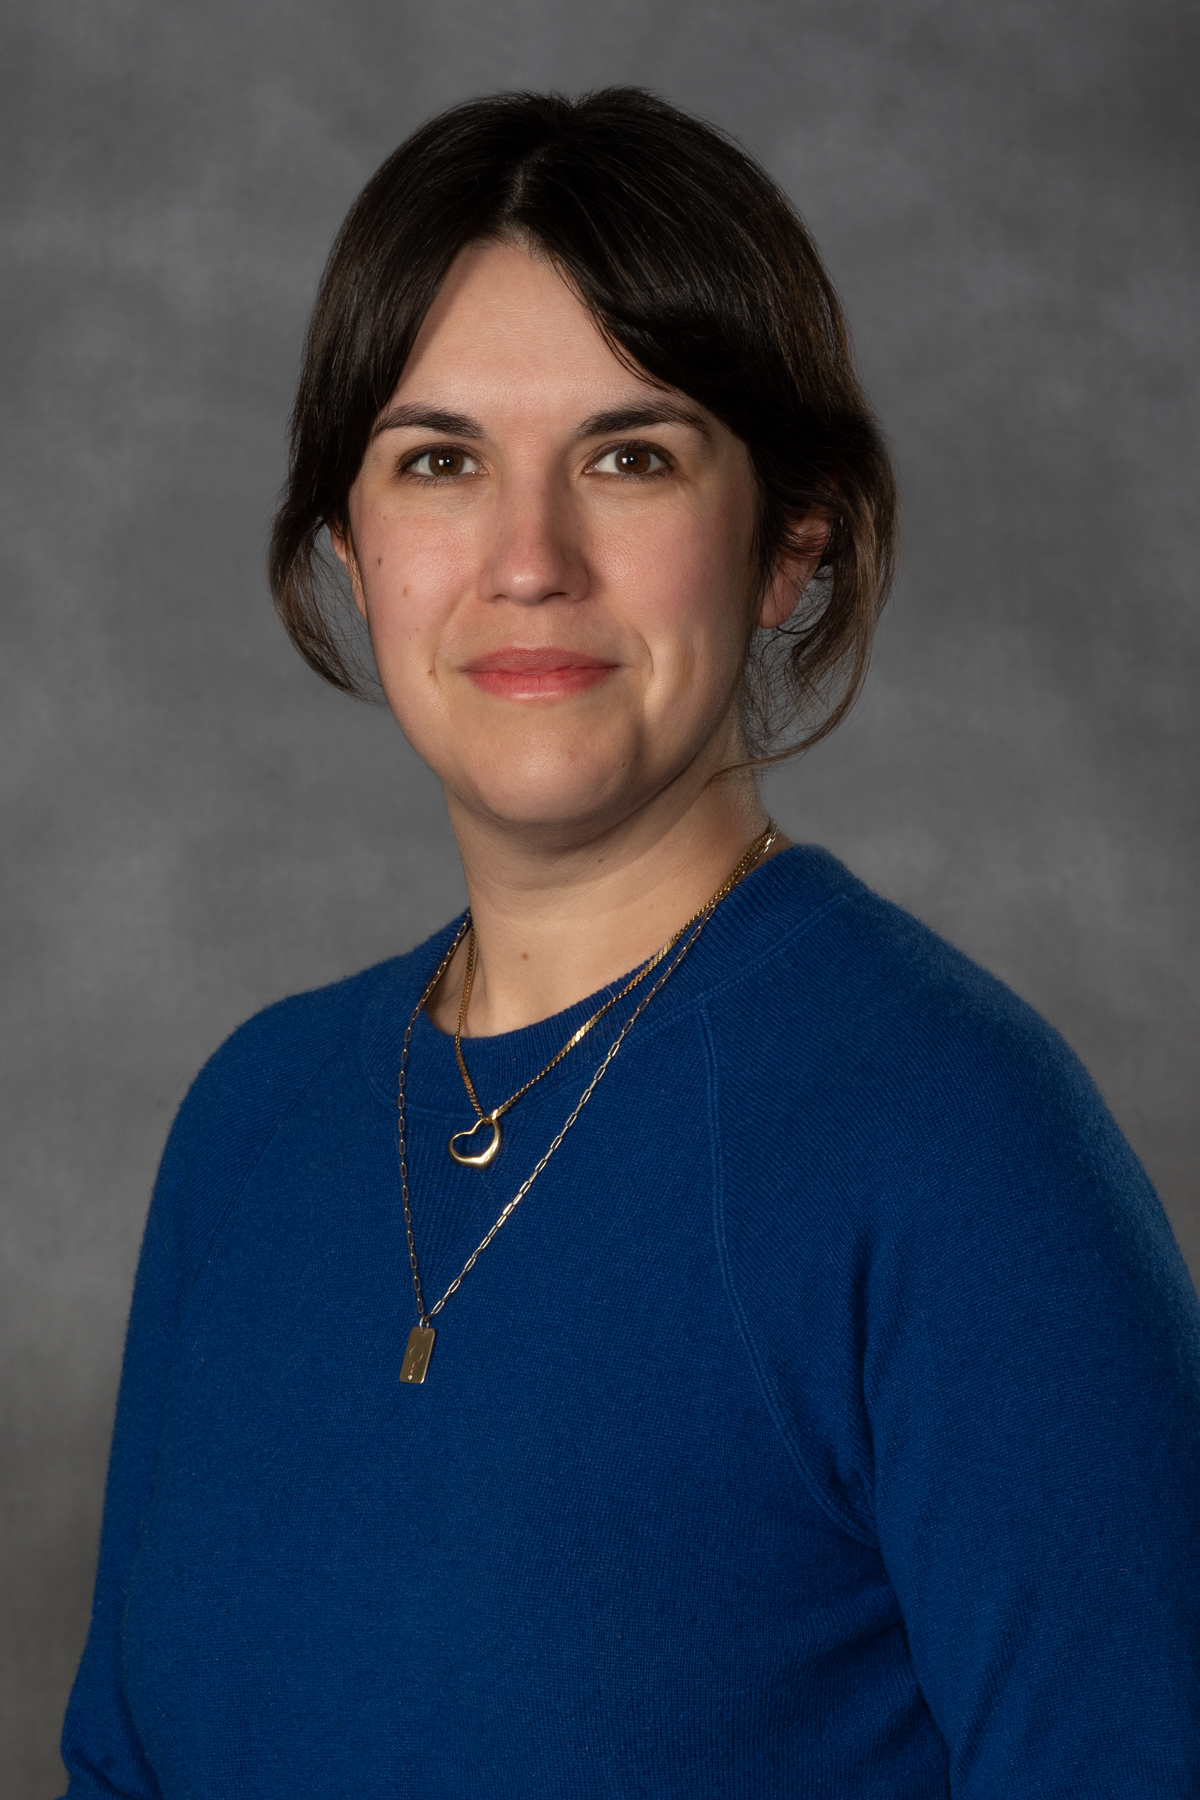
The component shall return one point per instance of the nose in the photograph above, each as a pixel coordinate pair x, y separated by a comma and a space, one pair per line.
534, 551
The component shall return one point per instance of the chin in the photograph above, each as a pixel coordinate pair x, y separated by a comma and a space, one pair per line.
561, 776
553, 807
560, 794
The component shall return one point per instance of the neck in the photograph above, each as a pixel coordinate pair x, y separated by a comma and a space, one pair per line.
553, 923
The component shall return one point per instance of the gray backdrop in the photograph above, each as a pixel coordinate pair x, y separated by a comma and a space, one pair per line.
196, 826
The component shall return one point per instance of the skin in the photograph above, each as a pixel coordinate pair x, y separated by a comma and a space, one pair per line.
528, 499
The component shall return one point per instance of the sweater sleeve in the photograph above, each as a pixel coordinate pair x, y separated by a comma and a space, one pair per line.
1031, 1382
99, 1745
984, 1356
229, 1116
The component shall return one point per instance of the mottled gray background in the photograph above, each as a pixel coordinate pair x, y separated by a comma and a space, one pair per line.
1005, 194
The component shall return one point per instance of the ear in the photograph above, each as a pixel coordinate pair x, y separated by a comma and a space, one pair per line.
343, 549
796, 567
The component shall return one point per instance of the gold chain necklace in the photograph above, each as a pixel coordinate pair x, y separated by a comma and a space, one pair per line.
482, 1158
421, 1337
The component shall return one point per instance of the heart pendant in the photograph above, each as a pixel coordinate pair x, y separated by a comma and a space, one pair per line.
483, 1157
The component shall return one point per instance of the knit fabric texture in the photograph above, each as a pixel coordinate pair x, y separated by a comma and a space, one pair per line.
824, 1422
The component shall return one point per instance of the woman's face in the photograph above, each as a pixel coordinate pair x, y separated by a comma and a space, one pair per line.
554, 557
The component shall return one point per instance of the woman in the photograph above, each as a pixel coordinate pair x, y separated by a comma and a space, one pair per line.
683, 1330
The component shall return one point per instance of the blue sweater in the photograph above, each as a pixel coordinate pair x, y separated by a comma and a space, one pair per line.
826, 1421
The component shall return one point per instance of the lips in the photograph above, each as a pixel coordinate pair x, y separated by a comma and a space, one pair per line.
546, 673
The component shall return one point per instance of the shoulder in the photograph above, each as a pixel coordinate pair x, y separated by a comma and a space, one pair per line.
280, 1049
923, 1197
249, 1086
857, 985
922, 1083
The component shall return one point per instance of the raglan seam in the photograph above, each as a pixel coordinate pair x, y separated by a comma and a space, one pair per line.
243, 1184
843, 1520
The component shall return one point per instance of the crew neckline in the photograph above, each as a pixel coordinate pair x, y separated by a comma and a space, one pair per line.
775, 898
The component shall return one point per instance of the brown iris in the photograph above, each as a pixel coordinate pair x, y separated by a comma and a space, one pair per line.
446, 462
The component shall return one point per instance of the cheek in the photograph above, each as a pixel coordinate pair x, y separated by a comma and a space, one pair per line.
687, 584
413, 575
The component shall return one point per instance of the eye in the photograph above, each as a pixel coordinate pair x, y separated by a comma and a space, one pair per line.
630, 459
442, 464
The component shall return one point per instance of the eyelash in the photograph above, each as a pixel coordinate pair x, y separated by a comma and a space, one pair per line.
409, 465
665, 464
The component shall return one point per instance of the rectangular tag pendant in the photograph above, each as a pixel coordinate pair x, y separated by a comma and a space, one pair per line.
416, 1357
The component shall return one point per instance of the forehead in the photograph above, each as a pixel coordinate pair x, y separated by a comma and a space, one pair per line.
506, 326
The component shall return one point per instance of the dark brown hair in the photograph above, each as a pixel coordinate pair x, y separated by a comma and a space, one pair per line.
697, 270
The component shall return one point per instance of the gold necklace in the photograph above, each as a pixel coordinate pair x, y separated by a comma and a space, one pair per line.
421, 1338
482, 1158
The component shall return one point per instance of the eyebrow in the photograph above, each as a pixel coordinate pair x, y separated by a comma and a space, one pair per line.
428, 418
636, 418
601, 424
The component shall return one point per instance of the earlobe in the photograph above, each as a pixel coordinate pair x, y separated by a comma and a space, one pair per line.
782, 596
795, 568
